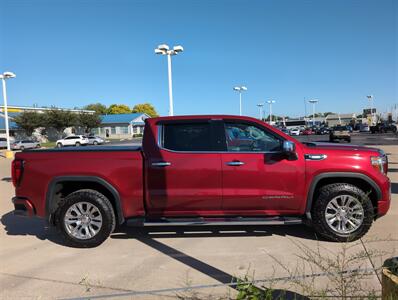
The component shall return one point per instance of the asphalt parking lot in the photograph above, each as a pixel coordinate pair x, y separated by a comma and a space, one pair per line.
36, 265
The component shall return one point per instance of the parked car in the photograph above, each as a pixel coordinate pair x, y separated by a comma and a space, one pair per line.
95, 140
187, 173
24, 144
340, 133
295, 131
323, 130
73, 140
285, 130
364, 128
3, 143
383, 128
308, 131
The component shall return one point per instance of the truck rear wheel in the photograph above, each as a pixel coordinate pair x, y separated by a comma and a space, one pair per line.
342, 212
85, 218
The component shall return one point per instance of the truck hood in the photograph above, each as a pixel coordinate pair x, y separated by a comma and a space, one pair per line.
331, 146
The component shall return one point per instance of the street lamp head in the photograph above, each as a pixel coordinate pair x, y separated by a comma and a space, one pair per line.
260, 104
158, 51
270, 101
7, 75
240, 88
369, 96
178, 49
163, 47
313, 101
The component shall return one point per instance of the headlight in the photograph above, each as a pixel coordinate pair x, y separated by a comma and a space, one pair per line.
380, 163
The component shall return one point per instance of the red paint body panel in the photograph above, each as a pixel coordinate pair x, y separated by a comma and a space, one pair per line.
199, 184
123, 170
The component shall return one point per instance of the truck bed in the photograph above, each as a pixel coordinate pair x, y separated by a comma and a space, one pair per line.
119, 166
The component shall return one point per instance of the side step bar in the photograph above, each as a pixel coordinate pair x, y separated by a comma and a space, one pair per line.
215, 221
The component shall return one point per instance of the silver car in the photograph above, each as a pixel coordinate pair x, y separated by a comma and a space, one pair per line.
3, 143
95, 140
24, 144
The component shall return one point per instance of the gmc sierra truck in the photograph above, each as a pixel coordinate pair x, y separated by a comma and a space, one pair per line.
200, 170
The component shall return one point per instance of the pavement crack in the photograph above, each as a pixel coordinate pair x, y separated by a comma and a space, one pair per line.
371, 262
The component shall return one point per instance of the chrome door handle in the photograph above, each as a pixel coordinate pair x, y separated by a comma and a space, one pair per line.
235, 163
161, 164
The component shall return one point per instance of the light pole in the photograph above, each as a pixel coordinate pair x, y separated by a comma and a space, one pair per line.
314, 101
4, 77
165, 50
370, 98
270, 102
240, 89
260, 106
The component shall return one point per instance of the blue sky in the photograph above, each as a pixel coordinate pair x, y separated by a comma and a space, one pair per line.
72, 53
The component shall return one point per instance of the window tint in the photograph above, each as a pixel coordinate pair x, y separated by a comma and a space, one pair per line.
187, 137
241, 137
3, 139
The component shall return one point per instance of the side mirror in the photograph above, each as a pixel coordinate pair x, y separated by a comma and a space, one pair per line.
289, 147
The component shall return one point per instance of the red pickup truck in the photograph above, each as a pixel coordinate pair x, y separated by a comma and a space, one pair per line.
200, 170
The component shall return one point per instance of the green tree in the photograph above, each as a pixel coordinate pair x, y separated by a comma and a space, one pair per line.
147, 108
97, 107
115, 109
88, 121
59, 120
29, 121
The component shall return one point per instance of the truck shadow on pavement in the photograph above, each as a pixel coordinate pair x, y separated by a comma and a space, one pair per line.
17, 225
147, 235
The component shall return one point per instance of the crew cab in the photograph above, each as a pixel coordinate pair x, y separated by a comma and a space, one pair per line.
200, 170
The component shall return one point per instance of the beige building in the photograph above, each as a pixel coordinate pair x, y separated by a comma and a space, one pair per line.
340, 119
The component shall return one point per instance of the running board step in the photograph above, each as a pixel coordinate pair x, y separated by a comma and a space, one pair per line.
215, 221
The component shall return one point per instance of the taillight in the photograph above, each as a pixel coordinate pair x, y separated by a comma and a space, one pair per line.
16, 171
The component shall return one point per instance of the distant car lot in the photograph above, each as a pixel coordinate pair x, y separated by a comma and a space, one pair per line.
356, 138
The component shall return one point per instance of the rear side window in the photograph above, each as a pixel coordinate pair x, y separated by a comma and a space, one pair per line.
187, 137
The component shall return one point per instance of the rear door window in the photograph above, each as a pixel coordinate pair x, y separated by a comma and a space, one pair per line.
187, 137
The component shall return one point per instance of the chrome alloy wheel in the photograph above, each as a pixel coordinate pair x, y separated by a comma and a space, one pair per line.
83, 220
344, 214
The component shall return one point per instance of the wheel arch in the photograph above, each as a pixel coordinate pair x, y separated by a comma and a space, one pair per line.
62, 186
358, 179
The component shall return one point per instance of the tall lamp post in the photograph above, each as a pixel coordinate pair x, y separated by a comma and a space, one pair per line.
4, 77
270, 102
240, 89
165, 50
313, 102
370, 98
260, 106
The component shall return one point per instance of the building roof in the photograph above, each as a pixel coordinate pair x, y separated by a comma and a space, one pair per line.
341, 116
13, 108
121, 118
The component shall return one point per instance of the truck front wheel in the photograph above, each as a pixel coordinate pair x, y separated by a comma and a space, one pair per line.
85, 218
342, 212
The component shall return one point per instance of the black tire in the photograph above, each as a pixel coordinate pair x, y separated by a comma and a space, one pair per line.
22, 148
329, 192
77, 144
348, 140
331, 139
100, 202
59, 145
95, 143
